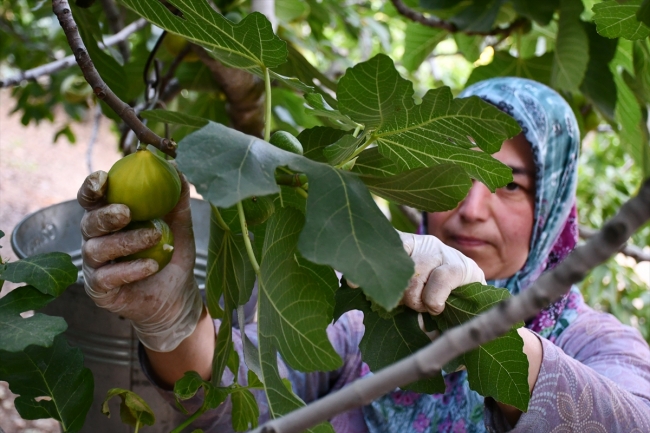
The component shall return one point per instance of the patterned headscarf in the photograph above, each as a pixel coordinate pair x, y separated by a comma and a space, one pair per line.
551, 128
552, 131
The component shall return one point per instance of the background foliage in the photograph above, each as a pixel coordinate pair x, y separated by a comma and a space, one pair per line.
337, 69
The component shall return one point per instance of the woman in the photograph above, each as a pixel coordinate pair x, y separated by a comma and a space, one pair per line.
587, 371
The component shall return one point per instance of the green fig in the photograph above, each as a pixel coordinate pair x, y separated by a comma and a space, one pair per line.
257, 209
161, 252
148, 184
285, 141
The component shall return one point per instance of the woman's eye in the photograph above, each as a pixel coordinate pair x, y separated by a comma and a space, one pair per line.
512, 187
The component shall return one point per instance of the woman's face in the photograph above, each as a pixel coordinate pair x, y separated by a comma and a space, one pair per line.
494, 229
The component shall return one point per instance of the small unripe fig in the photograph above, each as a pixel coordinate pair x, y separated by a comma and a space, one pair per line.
161, 252
146, 183
175, 44
286, 141
257, 209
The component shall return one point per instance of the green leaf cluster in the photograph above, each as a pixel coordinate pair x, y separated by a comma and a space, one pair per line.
47, 374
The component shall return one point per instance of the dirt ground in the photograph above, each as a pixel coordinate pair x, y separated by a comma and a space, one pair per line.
35, 173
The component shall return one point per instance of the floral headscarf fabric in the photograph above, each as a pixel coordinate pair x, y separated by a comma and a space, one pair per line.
550, 127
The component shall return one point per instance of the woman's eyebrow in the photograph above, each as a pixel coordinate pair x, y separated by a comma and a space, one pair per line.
519, 170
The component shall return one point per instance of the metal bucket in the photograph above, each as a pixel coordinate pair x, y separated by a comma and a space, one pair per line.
107, 341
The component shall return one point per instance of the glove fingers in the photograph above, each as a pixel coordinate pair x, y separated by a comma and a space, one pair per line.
104, 220
98, 251
106, 280
442, 280
92, 193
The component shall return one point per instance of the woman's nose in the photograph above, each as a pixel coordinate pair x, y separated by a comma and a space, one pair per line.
475, 207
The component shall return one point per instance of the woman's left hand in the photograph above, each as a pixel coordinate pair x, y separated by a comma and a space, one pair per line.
439, 269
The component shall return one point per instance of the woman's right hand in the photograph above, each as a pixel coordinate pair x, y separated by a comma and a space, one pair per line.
164, 307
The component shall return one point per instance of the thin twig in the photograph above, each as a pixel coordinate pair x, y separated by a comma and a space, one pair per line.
102, 91
629, 250
93, 137
66, 62
451, 27
495, 322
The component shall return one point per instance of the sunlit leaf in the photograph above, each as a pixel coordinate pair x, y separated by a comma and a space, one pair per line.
439, 130
619, 20
419, 42
250, 44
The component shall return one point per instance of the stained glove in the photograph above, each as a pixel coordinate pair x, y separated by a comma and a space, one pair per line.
439, 269
163, 307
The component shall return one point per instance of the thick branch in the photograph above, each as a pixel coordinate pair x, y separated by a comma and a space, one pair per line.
101, 90
66, 62
629, 250
450, 27
496, 322
244, 92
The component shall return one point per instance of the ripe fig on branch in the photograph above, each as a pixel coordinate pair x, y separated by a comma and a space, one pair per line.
148, 184
161, 252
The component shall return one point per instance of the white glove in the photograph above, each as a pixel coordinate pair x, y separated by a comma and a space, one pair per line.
438, 270
163, 307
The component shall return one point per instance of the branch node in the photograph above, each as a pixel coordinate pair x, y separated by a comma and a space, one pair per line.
474, 333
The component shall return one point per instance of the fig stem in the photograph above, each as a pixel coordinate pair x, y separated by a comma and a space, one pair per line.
63, 12
268, 111
247, 239
217, 215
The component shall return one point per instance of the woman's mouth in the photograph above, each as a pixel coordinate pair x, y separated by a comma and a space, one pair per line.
468, 242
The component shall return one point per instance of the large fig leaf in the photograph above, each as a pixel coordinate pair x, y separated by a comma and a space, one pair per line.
249, 44
388, 337
498, 369
230, 275
296, 303
296, 298
432, 189
51, 273
619, 19
51, 382
344, 227
39, 329
571, 48
439, 130
419, 42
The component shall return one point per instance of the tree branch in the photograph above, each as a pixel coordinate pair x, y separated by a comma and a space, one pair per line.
629, 250
101, 90
450, 27
66, 62
495, 322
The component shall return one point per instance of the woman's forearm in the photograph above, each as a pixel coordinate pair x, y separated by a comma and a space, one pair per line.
194, 353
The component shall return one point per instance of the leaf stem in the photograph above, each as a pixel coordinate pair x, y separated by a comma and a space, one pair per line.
301, 192
247, 240
358, 151
137, 425
189, 420
269, 106
219, 218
